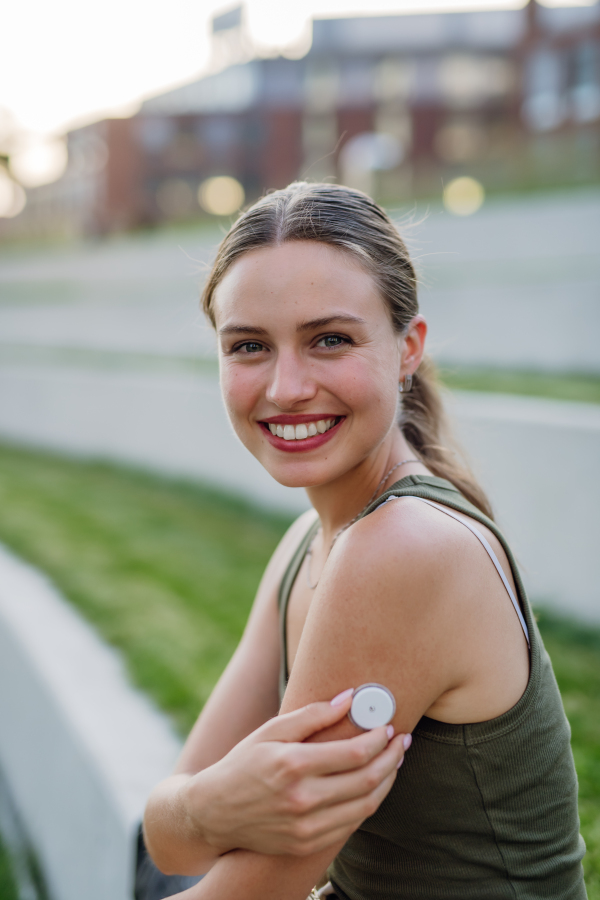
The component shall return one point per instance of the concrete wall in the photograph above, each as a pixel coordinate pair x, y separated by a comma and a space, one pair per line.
79, 747
537, 458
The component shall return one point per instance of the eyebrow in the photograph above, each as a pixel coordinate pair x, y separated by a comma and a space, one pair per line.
303, 326
242, 329
329, 320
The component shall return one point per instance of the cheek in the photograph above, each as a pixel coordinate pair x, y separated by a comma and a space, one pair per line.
239, 388
369, 387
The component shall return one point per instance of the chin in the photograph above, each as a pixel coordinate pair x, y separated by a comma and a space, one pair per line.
295, 479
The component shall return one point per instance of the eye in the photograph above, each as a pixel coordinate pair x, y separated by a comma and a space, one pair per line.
249, 347
332, 341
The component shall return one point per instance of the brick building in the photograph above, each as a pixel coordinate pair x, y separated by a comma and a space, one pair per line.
393, 104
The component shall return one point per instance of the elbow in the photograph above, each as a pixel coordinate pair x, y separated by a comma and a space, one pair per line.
168, 859
164, 837
155, 848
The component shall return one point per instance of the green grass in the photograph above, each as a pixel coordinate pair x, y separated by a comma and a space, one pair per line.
8, 888
575, 654
582, 387
167, 571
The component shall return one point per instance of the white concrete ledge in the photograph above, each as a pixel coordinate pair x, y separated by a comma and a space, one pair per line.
538, 459
80, 748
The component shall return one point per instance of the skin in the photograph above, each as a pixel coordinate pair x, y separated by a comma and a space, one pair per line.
406, 597
241, 783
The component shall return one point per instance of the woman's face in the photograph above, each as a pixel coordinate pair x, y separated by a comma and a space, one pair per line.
310, 363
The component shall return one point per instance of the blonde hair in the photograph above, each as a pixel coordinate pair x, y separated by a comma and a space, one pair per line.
351, 221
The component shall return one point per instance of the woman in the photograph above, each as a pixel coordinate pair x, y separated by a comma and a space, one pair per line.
321, 346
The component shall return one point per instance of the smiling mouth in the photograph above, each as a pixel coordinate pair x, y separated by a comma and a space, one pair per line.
304, 430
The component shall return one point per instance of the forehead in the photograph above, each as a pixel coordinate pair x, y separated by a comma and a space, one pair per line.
297, 277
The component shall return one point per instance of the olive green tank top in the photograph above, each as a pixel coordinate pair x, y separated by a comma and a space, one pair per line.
486, 811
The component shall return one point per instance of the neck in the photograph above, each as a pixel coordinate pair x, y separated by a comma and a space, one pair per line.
339, 501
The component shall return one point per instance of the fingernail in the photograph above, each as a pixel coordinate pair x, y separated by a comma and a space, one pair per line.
339, 699
390, 732
407, 741
400, 763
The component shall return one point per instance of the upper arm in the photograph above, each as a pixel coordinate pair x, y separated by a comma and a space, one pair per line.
367, 622
246, 695
378, 615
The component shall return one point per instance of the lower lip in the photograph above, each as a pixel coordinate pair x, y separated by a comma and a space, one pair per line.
302, 446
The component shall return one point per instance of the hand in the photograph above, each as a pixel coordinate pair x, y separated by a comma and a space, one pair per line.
276, 795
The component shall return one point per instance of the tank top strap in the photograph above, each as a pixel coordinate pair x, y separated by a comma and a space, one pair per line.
436, 491
443, 492
285, 589
487, 547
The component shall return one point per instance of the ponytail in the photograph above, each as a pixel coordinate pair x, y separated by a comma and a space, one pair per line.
425, 426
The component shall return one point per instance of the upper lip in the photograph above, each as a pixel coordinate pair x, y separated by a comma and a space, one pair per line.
300, 419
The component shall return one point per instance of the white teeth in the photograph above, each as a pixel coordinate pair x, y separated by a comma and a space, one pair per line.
303, 431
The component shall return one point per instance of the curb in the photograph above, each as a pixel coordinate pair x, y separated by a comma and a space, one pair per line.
79, 746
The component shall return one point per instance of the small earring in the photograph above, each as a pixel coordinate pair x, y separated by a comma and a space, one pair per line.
405, 385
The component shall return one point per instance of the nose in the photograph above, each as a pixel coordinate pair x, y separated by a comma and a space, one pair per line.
290, 382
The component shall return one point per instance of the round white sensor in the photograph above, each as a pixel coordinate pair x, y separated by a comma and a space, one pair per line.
372, 706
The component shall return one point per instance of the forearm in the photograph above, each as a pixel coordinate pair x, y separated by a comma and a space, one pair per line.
179, 841
244, 875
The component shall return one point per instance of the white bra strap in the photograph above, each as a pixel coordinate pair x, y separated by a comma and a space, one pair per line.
490, 553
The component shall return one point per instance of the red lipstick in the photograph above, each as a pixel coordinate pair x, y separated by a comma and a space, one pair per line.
305, 444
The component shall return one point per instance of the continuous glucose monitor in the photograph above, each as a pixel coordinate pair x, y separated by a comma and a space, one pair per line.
372, 706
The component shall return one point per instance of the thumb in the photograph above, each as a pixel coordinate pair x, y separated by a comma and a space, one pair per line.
300, 724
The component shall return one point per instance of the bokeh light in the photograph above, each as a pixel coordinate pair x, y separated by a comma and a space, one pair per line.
38, 160
221, 196
12, 196
463, 196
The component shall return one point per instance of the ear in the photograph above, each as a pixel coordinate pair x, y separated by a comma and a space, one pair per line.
413, 346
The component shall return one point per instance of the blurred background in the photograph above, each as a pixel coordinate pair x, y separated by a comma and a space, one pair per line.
397, 104
130, 137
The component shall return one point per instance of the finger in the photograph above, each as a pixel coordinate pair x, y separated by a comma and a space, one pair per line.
300, 724
335, 789
332, 757
327, 826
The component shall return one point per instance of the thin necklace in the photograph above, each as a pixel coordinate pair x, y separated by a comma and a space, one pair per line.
351, 522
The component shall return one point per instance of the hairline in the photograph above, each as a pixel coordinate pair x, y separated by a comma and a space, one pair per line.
348, 249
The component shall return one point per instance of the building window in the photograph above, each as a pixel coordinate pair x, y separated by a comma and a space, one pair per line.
468, 81
321, 86
155, 132
585, 82
393, 80
544, 107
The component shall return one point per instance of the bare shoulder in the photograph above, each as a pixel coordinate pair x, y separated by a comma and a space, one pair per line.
381, 613
407, 546
409, 598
